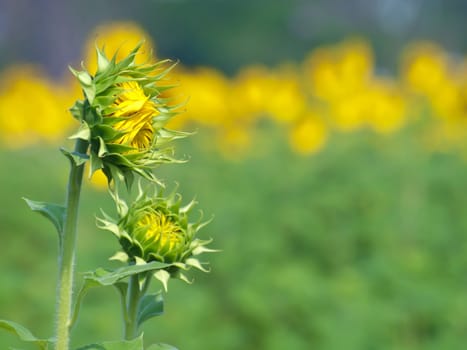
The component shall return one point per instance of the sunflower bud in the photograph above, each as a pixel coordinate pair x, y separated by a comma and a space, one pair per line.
123, 116
156, 228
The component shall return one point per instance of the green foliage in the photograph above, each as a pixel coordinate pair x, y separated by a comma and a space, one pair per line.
107, 278
135, 344
161, 346
149, 307
24, 334
362, 246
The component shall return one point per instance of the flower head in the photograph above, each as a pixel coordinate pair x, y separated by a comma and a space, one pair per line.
156, 228
123, 116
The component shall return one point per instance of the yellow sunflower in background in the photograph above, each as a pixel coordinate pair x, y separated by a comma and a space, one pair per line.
118, 38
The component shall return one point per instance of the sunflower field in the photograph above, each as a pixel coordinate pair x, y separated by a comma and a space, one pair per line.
338, 193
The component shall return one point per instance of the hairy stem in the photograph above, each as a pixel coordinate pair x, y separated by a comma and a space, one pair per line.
67, 252
133, 298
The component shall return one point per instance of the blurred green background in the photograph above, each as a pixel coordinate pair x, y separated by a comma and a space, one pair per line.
360, 246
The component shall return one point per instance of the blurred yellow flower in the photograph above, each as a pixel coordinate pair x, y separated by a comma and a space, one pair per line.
32, 108
251, 92
349, 113
428, 71
447, 102
286, 99
309, 134
208, 92
386, 107
424, 68
336, 71
119, 38
337, 80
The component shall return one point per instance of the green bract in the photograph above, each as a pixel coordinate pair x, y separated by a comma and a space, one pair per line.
123, 116
156, 228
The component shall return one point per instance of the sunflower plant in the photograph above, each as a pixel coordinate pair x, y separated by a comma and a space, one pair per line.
122, 132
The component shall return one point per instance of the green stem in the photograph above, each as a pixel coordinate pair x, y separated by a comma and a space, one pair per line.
133, 297
146, 284
67, 252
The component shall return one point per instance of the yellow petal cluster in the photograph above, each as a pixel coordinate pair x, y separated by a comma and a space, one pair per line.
159, 230
136, 111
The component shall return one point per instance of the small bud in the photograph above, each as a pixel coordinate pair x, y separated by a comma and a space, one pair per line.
157, 228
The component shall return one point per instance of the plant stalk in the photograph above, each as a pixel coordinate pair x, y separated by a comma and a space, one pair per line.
67, 252
133, 297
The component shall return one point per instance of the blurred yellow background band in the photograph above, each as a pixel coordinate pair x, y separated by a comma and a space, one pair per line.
335, 89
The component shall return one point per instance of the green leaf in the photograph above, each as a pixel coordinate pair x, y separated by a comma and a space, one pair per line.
24, 334
88, 284
108, 278
135, 344
75, 157
102, 278
151, 305
54, 212
161, 346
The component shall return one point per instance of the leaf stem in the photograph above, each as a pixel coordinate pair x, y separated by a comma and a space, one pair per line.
67, 251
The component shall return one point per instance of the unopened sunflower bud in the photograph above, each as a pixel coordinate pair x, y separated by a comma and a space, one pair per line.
123, 116
156, 228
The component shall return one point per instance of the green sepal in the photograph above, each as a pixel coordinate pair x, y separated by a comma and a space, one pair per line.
90, 92
84, 132
102, 61
54, 212
90, 115
107, 132
96, 164
24, 334
135, 344
77, 110
85, 80
163, 276
84, 77
119, 174
115, 148
75, 157
102, 147
104, 100
161, 346
150, 305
